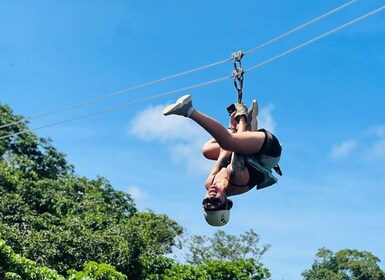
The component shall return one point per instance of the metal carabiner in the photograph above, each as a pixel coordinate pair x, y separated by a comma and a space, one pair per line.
238, 82
238, 73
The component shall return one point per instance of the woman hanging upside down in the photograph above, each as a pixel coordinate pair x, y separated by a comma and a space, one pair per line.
244, 158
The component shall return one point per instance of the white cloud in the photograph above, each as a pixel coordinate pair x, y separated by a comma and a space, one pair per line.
378, 131
136, 193
343, 149
191, 155
265, 118
182, 135
150, 124
374, 139
378, 146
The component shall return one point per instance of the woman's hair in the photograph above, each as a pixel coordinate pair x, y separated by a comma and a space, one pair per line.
215, 204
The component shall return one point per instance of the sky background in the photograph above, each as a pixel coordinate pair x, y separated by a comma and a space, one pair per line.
325, 102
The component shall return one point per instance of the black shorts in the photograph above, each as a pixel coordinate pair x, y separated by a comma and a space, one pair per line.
271, 146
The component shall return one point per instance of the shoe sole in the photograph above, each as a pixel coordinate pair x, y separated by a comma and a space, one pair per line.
177, 105
255, 107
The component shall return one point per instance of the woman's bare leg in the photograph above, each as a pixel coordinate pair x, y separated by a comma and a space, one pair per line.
211, 149
245, 143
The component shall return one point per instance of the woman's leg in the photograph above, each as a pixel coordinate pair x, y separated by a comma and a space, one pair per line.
211, 149
246, 143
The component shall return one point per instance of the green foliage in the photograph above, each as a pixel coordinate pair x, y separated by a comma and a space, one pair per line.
144, 236
68, 222
61, 221
16, 267
240, 269
155, 267
95, 271
162, 268
185, 272
344, 265
225, 247
219, 270
24, 151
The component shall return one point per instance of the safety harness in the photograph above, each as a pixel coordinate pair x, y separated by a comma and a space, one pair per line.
238, 75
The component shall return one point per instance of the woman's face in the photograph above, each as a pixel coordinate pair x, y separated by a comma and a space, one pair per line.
215, 194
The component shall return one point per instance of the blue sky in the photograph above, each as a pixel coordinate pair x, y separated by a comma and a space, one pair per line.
325, 102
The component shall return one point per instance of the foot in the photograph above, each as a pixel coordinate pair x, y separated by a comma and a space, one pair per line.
182, 107
252, 123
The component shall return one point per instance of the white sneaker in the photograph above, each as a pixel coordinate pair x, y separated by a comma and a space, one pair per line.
182, 107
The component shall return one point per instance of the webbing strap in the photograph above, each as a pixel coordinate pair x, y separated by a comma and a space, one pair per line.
278, 170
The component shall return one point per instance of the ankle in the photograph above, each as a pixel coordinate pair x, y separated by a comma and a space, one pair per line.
190, 111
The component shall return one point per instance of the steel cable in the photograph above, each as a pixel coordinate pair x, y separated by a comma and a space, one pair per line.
205, 83
116, 93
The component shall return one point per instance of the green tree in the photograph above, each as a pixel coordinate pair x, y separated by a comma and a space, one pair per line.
24, 151
344, 265
225, 247
219, 270
68, 222
95, 271
144, 236
62, 221
16, 267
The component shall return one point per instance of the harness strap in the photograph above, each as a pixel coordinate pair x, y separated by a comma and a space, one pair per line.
278, 170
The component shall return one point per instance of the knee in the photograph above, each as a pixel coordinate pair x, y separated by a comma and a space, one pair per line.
211, 150
227, 144
210, 154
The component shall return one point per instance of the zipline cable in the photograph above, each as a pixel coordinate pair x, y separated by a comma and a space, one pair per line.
110, 95
315, 39
119, 106
205, 83
300, 27
86, 102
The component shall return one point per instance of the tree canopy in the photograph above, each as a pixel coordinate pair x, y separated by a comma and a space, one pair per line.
225, 247
63, 221
344, 265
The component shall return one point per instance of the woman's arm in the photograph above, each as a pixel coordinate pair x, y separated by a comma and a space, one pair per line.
223, 160
238, 172
212, 150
